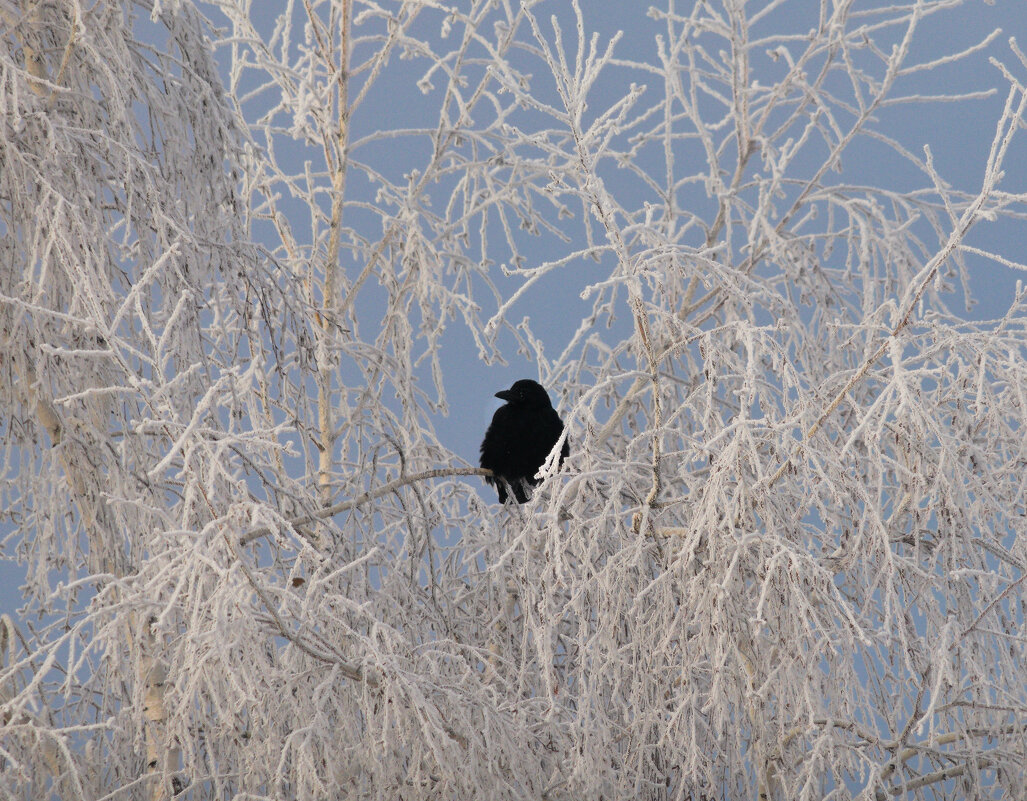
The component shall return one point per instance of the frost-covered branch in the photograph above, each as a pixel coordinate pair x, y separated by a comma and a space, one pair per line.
785, 559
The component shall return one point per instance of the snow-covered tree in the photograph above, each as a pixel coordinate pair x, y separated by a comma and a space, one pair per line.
243, 259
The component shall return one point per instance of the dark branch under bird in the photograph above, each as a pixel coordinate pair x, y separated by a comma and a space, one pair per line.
522, 434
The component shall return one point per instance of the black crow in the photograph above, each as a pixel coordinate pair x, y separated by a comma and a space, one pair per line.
522, 433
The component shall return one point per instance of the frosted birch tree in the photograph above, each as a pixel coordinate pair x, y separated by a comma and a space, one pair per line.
786, 559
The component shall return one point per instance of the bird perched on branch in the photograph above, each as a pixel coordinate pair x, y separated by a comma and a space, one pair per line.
522, 433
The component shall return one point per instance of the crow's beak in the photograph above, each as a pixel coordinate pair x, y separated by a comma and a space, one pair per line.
505, 395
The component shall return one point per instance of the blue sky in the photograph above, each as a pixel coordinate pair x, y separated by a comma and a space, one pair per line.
958, 136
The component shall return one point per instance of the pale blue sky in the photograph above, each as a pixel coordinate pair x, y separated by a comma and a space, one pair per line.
958, 135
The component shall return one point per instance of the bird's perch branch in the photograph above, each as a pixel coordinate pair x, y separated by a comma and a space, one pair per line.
367, 497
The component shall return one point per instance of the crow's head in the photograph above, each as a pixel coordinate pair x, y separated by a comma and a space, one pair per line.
525, 393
